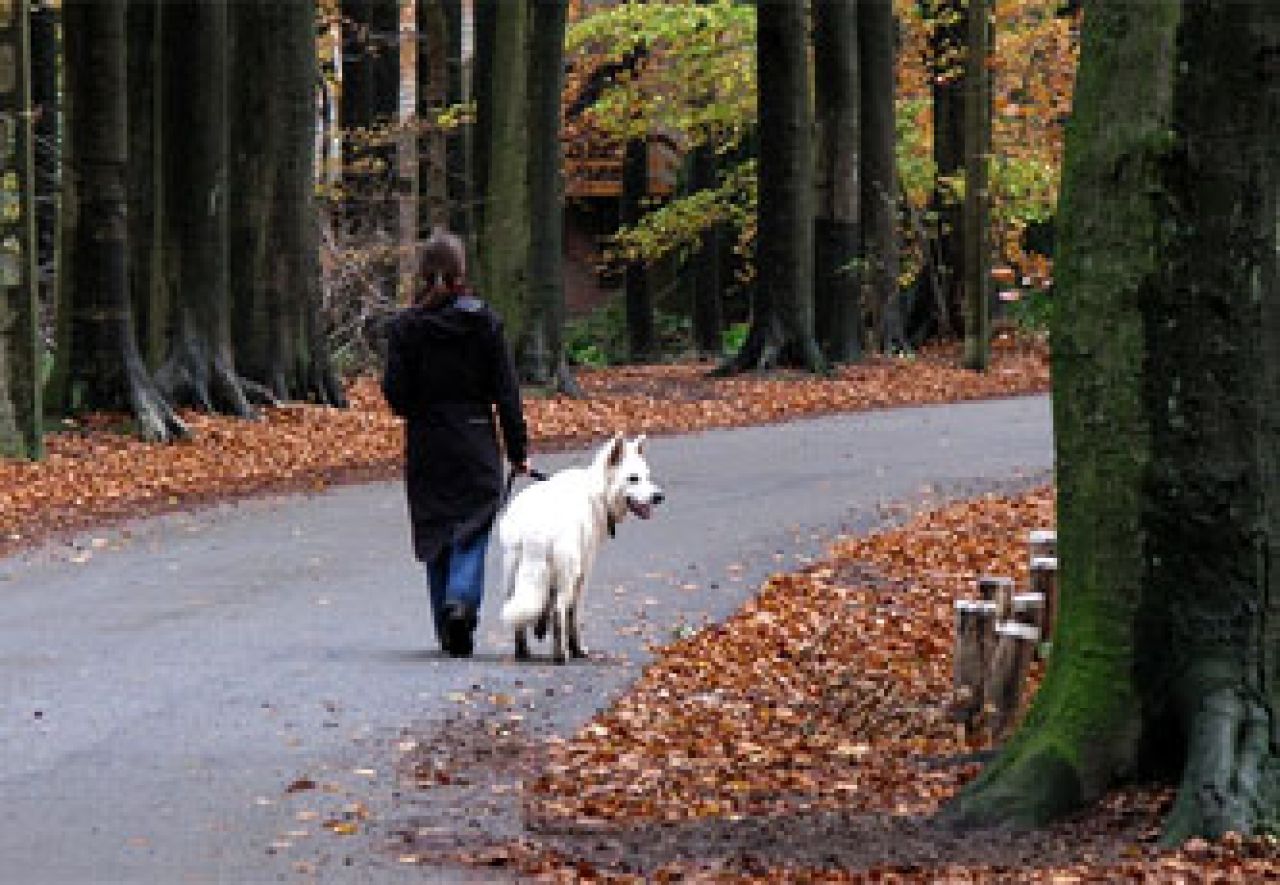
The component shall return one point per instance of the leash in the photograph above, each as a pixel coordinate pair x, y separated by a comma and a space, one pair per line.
533, 474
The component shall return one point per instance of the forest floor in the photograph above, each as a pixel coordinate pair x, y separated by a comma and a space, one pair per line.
96, 474
781, 744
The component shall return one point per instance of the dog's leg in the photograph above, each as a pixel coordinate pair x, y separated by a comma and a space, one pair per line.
544, 619
522, 645
557, 636
576, 648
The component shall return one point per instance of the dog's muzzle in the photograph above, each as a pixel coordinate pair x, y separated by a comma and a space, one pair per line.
644, 509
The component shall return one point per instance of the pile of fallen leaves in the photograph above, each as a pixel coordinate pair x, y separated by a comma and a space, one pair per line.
828, 689
806, 739
96, 474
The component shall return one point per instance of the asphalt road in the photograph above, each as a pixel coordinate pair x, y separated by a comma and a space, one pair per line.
165, 684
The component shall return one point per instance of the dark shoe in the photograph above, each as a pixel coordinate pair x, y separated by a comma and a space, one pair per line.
459, 624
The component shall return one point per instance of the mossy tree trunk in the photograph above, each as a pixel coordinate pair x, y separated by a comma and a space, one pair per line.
46, 104
1167, 376
102, 368
781, 331
21, 417
837, 224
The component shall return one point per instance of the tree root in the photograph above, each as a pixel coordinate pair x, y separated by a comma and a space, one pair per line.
157, 421
1228, 777
211, 385
767, 347
566, 382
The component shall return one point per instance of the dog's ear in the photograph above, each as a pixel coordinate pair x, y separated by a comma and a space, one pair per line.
639, 444
617, 448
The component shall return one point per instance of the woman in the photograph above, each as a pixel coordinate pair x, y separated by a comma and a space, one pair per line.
448, 365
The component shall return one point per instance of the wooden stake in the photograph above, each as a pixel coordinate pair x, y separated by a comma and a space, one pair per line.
974, 642
1016, 642
997, 590
1044, 579
1042, 542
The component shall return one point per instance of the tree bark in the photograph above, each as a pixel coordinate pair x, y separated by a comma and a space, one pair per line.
199, 370
279, 341
641, 341
708, 313
879, 171
504, 223
47, 107
433, 91
104, 371
837, 230
541, 353
781, 330
977, 196
370, 96
1166, 372
146, 183
21, 415
255, 151
939, 306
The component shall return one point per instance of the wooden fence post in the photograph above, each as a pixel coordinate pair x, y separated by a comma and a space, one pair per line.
974, 642
1016, 641
1044, 579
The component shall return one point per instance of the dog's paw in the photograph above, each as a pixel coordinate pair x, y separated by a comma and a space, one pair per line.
579, 651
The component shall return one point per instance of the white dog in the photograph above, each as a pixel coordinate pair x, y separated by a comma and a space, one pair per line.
550, 533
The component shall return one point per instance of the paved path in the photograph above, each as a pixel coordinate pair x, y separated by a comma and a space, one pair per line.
162, 687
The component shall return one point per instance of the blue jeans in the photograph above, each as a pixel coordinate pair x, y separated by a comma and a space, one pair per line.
457, 575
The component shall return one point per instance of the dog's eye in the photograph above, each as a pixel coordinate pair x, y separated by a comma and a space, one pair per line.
633, 478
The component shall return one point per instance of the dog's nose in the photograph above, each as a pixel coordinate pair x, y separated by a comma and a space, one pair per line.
659, 497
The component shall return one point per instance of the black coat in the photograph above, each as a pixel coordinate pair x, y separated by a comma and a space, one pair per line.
447, 367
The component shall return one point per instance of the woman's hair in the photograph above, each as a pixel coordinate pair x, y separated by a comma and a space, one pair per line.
442, 265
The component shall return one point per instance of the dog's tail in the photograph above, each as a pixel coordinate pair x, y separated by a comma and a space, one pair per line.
531, 585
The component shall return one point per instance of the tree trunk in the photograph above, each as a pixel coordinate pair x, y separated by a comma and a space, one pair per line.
148, 285
837, 232
1166, 373
708, 314
977, 196
939, 306
504, 229
456, 153
21, 417
484, 24
641, 342
433, 91
279, 341
45, 102
255, 151
104, 371
302, 351
370, 99
199, 370
782, 310
879, 171
541, 353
